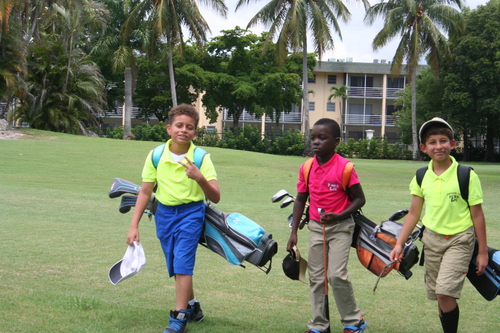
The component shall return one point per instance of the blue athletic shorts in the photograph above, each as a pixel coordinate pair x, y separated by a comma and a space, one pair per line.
179, 229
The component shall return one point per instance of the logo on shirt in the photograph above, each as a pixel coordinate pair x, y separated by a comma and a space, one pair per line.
333, 186
453, 196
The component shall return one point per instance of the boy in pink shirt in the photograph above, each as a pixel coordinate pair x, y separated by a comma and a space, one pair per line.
331, 225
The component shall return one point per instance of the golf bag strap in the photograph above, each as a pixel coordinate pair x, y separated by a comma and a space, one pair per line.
346, 174
199, 155
463, 174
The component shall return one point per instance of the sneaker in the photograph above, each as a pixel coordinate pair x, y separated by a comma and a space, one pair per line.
194, 313
356, 329
312, 330
178, 321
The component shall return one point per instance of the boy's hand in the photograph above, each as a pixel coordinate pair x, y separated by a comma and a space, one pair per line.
329, 218
481, 262
133, 235
396, 253
192, 170
292, 241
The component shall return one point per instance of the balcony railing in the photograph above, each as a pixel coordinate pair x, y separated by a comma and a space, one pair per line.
119, 113
361, 119
373, 92
292, 117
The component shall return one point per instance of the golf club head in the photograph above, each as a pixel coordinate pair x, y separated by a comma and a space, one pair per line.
287, 202
280, 195
303, 222
398, 215
290, 220
128, 201
122, 186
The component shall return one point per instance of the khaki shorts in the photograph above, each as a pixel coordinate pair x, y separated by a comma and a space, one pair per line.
447, 261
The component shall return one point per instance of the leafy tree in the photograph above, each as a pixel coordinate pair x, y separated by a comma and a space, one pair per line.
54, 101
418, 24
167, 20
241, 77
472, 93
291, 21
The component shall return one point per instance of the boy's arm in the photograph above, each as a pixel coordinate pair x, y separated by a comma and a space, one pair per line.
409, 224
358, 201
479, 222
209, 187
140, 207
298, 209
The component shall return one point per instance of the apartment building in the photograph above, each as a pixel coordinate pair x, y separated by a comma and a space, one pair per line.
366, 111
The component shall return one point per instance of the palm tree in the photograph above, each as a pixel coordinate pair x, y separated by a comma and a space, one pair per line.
168, 17
339, 92
418, 24
291, 21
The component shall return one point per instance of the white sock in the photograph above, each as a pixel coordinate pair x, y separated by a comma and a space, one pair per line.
191, 302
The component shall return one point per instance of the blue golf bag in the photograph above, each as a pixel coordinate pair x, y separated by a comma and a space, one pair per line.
237, 239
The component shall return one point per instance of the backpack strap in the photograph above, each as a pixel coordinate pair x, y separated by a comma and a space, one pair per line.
463, 172
199, 155
156, 155
346, 173
463, 175
420, 175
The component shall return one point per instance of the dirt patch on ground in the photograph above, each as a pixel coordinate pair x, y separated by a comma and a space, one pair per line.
11, 135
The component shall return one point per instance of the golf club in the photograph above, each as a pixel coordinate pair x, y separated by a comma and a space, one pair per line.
325, 267
122, 186
280, 195
398, 215
287, 202
128, 201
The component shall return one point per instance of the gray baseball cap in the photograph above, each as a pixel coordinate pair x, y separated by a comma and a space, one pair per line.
435, 120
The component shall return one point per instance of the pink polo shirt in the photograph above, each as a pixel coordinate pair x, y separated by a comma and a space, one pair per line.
325, 186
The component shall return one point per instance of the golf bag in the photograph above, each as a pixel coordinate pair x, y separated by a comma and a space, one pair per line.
237, 238
488, 284
374, 244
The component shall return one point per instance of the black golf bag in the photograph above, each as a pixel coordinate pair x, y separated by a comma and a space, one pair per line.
237, 238
488, 284
374, 244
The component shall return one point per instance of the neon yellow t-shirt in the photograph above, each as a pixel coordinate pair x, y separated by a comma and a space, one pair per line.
174, 186
446, 212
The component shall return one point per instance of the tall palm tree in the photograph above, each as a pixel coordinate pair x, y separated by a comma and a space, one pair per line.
168, 17
339, 92
291, 21
418, 25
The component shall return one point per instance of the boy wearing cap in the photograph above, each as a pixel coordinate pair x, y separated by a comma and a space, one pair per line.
451, 224
182, 188
331, 230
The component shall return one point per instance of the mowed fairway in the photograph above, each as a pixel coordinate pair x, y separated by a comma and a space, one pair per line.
60, 234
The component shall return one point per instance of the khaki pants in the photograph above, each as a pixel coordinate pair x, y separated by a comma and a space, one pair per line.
339, 238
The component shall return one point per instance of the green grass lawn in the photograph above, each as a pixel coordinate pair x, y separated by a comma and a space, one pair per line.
61, 234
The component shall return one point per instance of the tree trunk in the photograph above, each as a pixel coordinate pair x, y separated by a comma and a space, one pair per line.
173, 92
466, 146
127, 110
416, 155
305, 100
490, 146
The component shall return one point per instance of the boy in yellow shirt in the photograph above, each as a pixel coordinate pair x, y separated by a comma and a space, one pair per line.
451, 226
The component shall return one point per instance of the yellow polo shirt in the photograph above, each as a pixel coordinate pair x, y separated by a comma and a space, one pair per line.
446, 212
174, 186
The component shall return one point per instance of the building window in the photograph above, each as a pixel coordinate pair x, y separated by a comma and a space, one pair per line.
332, 79
211, 129
312, 106
313, 80
330, 107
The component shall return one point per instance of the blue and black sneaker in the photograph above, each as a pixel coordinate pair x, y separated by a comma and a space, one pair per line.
360, 328
178, 321
194, 313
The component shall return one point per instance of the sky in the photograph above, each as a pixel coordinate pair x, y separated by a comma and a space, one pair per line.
356, 40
